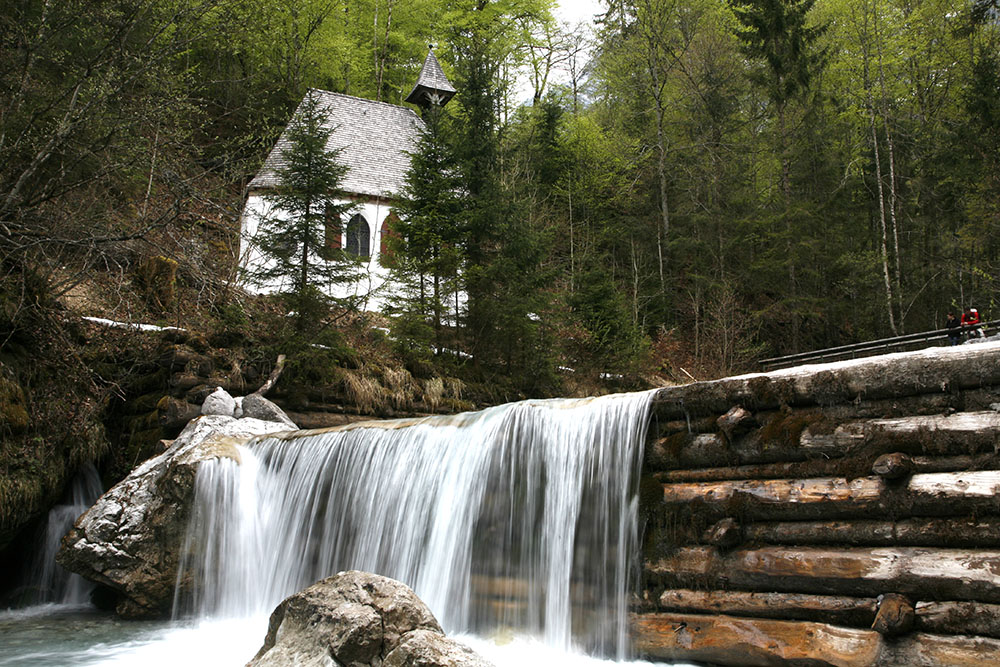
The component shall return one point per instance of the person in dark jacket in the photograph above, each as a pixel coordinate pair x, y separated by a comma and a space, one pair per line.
954, 331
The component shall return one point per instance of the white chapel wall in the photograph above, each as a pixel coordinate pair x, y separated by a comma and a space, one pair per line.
373, 287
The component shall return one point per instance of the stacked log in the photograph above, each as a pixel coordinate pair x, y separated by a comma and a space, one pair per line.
844, 514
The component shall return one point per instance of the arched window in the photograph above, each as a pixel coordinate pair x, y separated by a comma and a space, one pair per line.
359, 236
385, 250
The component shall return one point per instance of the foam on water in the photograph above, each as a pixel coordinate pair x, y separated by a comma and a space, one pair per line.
47, 583
518, 517
517, 525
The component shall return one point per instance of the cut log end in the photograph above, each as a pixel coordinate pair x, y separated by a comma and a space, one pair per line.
736, 422
895, 615
893, 466
725, 534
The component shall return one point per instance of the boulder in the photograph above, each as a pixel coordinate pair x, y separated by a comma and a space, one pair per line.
258, 407
424, 648
130, 540
219, 402
357, 619
173, 413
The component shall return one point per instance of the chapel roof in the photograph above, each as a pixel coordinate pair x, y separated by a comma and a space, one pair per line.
373, 137
432, 86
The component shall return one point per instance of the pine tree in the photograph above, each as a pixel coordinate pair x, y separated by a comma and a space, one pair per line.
306, 214
426, 247
777, 34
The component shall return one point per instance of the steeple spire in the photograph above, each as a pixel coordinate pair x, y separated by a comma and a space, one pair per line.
432, 87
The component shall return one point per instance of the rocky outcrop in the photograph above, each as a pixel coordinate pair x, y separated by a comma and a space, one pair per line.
423, 648
359, 619
130, 540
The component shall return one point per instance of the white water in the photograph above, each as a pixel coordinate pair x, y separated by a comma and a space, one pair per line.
520, 518
47, 581
516, 525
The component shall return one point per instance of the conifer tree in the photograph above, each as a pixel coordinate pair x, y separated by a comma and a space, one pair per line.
426, 245
293, 240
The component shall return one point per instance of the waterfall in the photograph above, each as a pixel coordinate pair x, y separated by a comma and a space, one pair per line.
48, 581
518, 518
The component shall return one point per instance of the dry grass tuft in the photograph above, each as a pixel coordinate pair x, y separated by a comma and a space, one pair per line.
401, 387
364, 391
454, 388
433, 392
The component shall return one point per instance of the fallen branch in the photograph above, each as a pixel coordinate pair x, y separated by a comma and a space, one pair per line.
279, 366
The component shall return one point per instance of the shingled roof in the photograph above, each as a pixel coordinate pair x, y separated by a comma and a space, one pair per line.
374, 138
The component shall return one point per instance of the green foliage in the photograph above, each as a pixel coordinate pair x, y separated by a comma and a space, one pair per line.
315, 360
426, 242
777, 32
292, 239
615, 341
724, 171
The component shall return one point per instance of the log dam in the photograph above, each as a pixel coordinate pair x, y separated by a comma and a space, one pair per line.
842, 514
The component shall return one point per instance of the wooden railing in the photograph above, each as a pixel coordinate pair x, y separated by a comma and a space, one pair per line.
869, 348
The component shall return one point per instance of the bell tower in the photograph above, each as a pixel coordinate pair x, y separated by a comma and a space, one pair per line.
432, 87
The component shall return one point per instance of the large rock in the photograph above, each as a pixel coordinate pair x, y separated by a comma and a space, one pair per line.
424, 648
357, 619
258, 407
130, 540
219, 402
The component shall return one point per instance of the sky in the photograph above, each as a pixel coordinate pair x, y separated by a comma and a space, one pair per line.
574, 11
566, 11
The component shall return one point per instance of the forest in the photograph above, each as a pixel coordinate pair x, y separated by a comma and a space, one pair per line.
685, 183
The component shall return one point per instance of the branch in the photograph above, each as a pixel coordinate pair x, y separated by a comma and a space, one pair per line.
273, 377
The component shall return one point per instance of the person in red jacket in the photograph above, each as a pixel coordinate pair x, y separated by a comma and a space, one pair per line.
970, 322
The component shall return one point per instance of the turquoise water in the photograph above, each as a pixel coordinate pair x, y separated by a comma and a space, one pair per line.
60, 636
57, 636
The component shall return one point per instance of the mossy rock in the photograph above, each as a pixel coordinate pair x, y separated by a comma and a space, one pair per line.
145, 404
143, 422
158, 280
142, 444
14, 416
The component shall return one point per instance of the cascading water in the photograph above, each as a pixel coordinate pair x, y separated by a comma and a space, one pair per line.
49, 582
520, 517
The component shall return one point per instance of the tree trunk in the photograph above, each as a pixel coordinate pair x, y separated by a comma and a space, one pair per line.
917, 532
862, 380
884, 248
797, 442
725, 640
381, 54
959, 618
850, 611
890, 149
957, 574
821, 467
928, 494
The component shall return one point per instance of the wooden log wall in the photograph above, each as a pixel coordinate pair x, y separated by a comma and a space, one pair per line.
844, 514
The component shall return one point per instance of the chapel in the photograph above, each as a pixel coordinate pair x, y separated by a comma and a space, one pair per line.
374, 139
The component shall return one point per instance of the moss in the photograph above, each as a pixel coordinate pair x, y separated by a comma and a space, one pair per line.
141, 445
785, 428
767, 392
828, 388
675, 444
145, 404
669, 528
14, 416
157, 277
